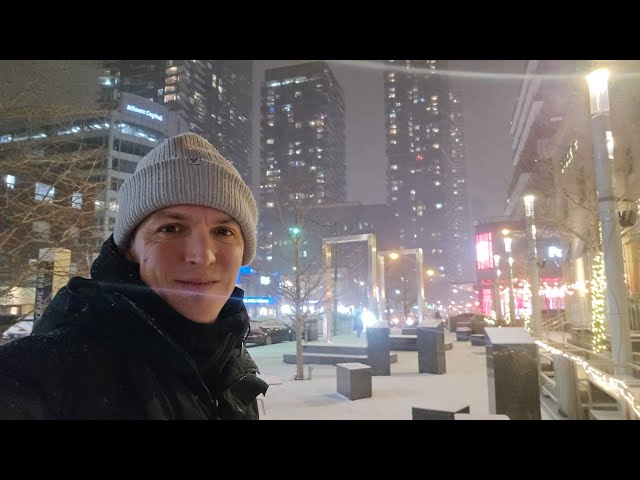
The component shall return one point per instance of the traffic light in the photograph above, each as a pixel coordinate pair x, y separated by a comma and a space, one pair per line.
295, 231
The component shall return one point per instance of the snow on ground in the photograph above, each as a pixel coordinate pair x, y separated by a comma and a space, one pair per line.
465, 381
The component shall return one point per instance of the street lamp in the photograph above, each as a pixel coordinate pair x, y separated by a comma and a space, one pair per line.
394, 255
534, 280
617, 302
496, 290
507, 249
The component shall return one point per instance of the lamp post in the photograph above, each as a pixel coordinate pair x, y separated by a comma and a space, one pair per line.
496, 290
507, 249
534, 279
617, 301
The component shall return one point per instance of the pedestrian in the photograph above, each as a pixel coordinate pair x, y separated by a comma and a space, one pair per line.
357, 324
158, 331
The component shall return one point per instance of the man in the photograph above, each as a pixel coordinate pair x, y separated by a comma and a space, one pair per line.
157, 332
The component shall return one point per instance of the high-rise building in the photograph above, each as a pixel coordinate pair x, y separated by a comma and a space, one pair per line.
460, 266
302, 145
419, 151
212, 96
232, 112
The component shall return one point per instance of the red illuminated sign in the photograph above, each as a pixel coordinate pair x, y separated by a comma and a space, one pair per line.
484, 251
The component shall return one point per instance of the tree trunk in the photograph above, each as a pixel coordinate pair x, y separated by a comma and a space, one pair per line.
298, 312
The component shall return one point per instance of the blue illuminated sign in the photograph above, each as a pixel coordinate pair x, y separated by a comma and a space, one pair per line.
142, 111
259, 300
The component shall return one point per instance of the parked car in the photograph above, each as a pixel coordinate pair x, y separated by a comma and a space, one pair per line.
400, 321
268, 330
18, 330
474, 321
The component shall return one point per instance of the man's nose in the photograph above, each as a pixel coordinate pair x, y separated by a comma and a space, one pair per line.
200, 248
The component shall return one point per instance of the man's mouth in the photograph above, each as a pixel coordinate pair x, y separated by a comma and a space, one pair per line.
197, 284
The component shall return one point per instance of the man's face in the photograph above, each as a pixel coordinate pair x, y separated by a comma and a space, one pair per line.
190, 256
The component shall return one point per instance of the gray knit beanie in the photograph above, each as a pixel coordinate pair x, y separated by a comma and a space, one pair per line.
185, 169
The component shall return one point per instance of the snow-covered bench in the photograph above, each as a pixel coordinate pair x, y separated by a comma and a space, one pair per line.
438, 409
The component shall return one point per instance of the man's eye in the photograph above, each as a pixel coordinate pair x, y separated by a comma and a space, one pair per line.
225, 232
169, 229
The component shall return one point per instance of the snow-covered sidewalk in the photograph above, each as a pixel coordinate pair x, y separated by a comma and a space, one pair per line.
393, 396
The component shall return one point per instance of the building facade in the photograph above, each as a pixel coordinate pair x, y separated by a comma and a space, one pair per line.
426, 187
460, 257
60, 177
213, 97
553, 160
302, 146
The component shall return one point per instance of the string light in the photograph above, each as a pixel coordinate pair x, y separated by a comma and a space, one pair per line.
526, 297
613, 386
598, 286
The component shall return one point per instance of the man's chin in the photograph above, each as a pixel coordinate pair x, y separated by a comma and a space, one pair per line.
204, 314
199, 308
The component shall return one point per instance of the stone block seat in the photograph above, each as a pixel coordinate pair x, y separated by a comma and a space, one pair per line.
438, 409
353, 380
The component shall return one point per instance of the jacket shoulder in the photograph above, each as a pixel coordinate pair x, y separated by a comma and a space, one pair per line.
32, 372
79, 299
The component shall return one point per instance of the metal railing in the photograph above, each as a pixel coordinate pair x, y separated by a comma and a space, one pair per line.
584, 381
634, 314
595, 374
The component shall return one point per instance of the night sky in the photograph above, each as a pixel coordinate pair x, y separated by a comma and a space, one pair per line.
488, 102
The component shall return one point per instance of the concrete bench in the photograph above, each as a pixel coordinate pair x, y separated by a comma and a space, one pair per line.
438, 410
462, 334
473, 416
477, 340
353, 380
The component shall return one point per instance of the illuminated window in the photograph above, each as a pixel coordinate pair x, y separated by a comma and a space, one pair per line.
10, 181
484, 251
44, 192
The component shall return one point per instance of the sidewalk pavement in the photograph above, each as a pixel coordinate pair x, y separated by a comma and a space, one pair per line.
393, 396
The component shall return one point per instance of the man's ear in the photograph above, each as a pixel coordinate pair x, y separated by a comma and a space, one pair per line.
129, 253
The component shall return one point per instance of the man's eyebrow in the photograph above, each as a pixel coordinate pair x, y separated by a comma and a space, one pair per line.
228, 219
172, 215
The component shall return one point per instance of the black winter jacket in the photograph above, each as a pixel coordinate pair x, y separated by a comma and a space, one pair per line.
110, 348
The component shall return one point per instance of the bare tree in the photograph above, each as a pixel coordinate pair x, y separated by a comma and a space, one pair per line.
301, 283
51, 174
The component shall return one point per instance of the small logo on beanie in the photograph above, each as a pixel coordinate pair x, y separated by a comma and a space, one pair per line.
193, 161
